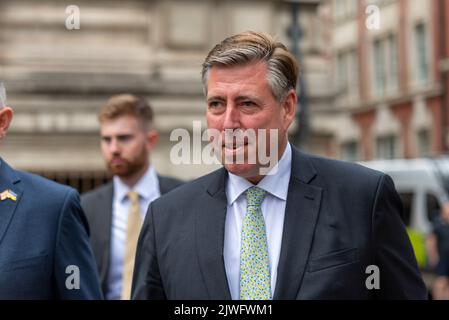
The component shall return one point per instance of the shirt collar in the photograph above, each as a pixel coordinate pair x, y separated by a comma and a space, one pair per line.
147, 185
275, 184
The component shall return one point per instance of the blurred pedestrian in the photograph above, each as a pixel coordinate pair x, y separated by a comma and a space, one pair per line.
438, 252
116, 211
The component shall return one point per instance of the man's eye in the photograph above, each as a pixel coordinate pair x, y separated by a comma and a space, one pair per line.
124, 138
215, 104
106, 139
247, 103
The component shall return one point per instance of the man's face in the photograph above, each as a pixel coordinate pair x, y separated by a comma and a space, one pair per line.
239, 97
125, 145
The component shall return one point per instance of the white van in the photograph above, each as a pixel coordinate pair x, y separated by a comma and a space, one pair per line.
423, 187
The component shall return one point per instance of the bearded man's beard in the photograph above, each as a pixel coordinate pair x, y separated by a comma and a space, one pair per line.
128, 168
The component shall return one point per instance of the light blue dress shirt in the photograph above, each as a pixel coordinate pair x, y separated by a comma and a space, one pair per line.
148, 189
273, 210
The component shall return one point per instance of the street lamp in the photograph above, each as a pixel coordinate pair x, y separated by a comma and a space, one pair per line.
295, 34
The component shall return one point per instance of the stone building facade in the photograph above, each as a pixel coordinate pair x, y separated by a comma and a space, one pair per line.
57, 79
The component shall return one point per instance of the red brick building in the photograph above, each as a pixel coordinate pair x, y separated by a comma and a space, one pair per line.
391, 67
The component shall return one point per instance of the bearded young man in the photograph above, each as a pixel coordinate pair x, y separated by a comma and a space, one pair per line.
116, 211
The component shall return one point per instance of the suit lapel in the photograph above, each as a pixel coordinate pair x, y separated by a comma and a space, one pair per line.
209, 232
8, 180
162, 185
104, 228
301, 215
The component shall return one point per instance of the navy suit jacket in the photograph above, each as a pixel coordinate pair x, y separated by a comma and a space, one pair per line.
97, 204
340, 218
42, 234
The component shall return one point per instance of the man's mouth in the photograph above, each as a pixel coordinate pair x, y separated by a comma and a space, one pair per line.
232, 150
234, 146
117, 161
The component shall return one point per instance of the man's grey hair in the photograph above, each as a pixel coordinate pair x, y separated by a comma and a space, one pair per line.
252, 47
2, 95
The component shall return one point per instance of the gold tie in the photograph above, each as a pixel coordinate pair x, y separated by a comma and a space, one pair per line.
132, 235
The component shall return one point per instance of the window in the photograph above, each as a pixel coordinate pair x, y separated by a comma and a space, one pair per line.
347, 73
342, 71
350, 151
351, 7
338, 9
393, 63
423, 138
353, 80
386, 147
385, 65
422, 71
344, 9
379, 68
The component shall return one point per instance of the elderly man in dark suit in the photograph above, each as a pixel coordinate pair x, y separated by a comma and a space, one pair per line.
309, 228
115, 211
44, 242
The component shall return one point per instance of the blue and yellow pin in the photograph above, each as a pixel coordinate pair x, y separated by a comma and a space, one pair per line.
8, 194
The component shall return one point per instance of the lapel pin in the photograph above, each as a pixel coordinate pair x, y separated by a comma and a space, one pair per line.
8, 194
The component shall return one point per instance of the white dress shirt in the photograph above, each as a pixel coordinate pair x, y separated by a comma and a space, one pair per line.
148, 189
273, 210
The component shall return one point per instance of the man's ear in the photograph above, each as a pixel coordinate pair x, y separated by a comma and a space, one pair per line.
289, 105
6, 114
152, 138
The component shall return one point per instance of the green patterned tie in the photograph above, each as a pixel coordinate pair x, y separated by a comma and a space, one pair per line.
255, 280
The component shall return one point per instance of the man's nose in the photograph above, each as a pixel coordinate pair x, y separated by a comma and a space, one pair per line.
114, 146
231, 117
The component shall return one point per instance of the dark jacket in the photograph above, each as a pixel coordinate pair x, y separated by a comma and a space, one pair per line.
340, 218
98, 207
44, 241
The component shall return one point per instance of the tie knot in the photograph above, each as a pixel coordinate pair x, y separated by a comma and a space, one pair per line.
255, 196
133, 197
